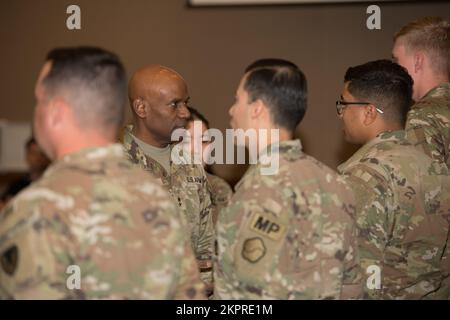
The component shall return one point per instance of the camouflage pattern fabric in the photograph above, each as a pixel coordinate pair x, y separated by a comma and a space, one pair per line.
95, 211
402, 215
221, 193
188, 185
428, 124
288, 235
428, 128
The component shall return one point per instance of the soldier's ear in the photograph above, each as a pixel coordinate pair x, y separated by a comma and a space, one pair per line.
419, 58
139, 108
370, 114
58, 113
257, 108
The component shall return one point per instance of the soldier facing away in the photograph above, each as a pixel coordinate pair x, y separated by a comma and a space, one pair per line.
401, 193
94, 226
423, 48
158, 97
287, 235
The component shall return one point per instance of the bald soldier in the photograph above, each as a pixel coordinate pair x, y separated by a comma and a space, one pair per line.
286, 234
400, 192
94, 226
158, 97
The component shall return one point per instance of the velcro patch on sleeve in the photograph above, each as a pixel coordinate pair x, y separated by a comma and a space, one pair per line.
266, 227
253, 249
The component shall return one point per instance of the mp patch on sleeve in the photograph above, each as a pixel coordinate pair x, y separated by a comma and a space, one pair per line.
266, 226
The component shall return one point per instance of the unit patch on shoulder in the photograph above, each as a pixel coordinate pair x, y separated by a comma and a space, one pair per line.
266, 227
253, 249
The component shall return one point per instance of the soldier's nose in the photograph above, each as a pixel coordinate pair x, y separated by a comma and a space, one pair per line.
183, 112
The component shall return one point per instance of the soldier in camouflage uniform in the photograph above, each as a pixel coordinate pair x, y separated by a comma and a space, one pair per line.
400, 192
158, 97
423, 48
94, 226
221, 191
288, 235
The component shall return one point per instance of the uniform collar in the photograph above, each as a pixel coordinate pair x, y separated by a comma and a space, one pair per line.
87, 158
437, 92
289, 150
383, 137
285, 147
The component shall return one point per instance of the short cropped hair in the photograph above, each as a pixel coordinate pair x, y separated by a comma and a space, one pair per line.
282, 86
432, 35
93, 81
385, 84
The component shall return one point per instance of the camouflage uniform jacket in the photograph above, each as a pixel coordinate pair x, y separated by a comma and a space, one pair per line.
188, 185
428, 124
401, 215
221, 193
288, 235
95, 215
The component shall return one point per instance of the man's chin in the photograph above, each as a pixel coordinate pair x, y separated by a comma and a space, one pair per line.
346, 137
352, 140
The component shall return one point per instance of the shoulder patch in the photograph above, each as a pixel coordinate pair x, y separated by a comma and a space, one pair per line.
266, 227
9, 260
253, 249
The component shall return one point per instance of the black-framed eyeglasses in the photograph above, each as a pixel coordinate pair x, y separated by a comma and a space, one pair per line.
340, 105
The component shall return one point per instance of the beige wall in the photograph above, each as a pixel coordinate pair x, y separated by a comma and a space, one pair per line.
210, 47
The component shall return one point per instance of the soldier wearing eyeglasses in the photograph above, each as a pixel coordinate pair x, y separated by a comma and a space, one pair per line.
401, 213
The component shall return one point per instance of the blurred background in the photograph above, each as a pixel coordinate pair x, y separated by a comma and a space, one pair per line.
209, 46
